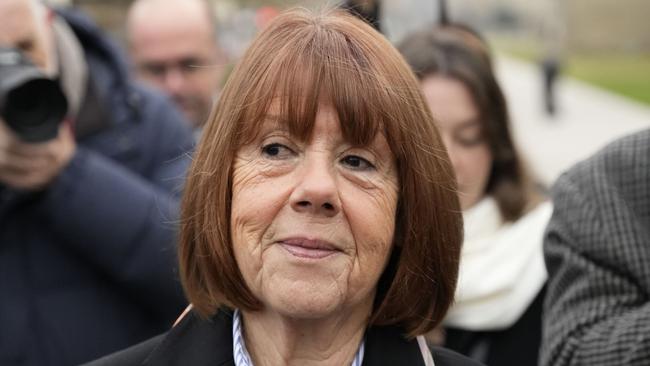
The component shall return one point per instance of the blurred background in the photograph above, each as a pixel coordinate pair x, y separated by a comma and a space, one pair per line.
600, 48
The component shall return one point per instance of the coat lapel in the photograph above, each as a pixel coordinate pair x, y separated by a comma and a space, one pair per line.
198, 342
387, 346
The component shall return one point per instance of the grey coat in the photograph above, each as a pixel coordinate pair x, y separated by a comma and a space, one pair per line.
597, 249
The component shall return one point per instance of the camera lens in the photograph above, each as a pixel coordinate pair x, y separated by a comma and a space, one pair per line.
30, 103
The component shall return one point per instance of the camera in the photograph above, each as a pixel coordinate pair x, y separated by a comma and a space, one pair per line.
31, 104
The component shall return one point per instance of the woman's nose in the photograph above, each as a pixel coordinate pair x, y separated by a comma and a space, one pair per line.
316, 193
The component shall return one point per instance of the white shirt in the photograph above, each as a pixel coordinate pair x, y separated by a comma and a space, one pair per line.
243, 358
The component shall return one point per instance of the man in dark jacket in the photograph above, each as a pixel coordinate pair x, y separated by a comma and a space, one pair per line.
87, 219
174, 48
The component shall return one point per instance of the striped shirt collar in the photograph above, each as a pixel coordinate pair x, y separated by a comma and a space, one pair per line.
243, 358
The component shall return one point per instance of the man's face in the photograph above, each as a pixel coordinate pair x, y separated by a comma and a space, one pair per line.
180, 58
24, 27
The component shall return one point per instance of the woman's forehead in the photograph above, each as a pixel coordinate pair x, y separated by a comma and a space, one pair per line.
325, 114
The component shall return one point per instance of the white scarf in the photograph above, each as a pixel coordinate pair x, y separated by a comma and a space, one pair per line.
502, 267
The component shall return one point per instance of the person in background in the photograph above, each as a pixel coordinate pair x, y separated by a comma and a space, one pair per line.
552, 39
87, 219
597, 250
174, 47
496, 317
550, 67
307, 237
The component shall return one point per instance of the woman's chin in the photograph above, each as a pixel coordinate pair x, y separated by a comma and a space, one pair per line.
306, 311
305, 300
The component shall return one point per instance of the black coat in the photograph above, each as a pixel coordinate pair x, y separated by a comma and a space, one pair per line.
199, 342
516, 345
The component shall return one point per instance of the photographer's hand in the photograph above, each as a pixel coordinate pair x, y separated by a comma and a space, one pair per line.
33, 166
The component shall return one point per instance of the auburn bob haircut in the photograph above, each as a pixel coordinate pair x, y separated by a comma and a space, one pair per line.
300, 59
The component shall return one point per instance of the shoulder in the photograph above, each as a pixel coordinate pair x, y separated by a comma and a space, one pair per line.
624, 160
387, 345
193, 341
161, 124
150, 121
446, 357
635, 144
135, 355
155, 107
617, 178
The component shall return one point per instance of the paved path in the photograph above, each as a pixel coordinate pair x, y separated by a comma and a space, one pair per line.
588, 118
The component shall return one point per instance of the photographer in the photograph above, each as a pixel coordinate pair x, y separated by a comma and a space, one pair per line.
87, 208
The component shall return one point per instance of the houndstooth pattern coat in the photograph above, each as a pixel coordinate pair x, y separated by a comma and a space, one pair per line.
597, 250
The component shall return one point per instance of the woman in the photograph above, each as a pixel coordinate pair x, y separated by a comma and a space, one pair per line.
496, 317
320, 224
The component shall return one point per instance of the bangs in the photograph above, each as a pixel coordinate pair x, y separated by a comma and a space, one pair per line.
317, 66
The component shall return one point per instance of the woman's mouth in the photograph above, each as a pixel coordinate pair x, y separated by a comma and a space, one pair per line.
309, 248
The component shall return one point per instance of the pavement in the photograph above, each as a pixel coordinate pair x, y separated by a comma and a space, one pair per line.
587, 118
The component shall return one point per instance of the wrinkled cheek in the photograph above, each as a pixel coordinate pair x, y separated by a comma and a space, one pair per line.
247, 231
379, 230
382, 223
374, 244
370, 264
375, 253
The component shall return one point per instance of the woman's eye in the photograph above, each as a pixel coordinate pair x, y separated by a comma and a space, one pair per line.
357, 162
470, 140
276, 151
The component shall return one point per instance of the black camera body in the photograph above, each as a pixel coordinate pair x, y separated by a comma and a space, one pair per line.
30, 103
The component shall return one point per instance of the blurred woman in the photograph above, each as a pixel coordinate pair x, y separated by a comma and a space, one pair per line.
496, 317
320, 224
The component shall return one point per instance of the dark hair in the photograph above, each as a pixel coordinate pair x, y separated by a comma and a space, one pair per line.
457, 52
300, 59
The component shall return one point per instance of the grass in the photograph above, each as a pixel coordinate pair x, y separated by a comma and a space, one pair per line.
628, 75
520, 48
625, 74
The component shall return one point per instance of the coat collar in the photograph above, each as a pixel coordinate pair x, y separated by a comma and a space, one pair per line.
200, 342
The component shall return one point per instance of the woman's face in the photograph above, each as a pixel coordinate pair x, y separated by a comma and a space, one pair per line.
460, 125
313, 222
